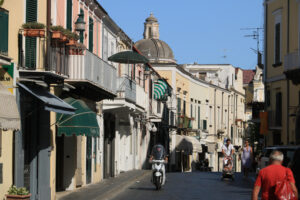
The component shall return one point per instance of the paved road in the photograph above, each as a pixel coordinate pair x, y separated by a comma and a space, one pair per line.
190, 186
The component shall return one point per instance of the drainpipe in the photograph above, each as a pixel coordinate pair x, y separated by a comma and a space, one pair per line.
265, 58
48, 34
288, 82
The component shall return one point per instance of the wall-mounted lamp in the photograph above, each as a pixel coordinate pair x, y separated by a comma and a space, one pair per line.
80, 23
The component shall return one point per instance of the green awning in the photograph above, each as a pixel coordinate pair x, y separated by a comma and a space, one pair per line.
160, 89
83, 122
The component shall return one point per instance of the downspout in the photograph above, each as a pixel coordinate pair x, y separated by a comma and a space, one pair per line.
265, 58
48, 34
288, 82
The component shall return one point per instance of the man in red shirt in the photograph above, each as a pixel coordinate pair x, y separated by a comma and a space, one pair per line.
268, 177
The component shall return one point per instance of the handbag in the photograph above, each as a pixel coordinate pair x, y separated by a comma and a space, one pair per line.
283, 190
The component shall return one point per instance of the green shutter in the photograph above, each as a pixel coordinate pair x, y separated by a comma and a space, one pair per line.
81, 32
30, 42
204, 124
69, 15
199, 126
3, 32
91, 34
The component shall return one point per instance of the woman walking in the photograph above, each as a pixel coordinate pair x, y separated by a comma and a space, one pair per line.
247, 158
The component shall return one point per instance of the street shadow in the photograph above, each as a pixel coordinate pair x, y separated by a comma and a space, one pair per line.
143, 188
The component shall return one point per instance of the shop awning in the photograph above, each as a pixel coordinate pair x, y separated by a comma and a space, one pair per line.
51, 102
9, 114
188, 144
160, 89
83, 122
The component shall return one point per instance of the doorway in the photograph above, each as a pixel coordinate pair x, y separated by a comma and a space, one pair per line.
88, 160
109, 140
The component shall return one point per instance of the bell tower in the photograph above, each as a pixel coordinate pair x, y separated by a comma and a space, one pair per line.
151, 28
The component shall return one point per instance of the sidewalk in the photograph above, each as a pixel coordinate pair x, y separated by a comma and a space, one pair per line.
106, 189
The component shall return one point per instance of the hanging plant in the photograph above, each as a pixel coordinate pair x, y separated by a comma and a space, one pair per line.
1, 2
57, 32
34, 29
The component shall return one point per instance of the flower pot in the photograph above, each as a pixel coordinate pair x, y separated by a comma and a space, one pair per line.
56, 35
71, 42
15, 197
64, 39
34, 32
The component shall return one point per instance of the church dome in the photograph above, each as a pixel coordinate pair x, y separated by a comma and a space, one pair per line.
157, 51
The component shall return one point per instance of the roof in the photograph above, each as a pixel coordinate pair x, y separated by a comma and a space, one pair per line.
155, 50
248, 76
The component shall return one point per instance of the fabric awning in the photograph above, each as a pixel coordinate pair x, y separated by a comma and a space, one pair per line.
188, 144
51, 102
9, 113
83, 122
160, 89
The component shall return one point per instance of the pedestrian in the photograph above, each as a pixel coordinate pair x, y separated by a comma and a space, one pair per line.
247, 155
228, 151
269, 177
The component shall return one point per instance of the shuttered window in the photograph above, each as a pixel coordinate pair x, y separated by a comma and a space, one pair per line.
278, 109
204, 124
91, 34
4, 31
69, 15
277, 43
81, 32
199, 126
184, 107
30, 42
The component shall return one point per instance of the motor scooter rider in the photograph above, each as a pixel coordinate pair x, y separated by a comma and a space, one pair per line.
228, 151
158, 153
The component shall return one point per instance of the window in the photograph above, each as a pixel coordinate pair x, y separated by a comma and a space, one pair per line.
3, 32
91, 34
69, 15
184, 107
158, 106
191, 110
150, 89
277, 43
199, 126
278, 116
81, 32
105, 45
0, 143
268, 98
30, 42
204, 125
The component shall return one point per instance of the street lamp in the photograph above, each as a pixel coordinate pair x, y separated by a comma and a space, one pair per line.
80, 23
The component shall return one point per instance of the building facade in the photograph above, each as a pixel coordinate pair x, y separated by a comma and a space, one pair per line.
281, 70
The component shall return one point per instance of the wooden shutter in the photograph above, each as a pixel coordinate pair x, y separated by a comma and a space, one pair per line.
278, 109
30, 42
4, 31
91, 34
277, 43
69, 15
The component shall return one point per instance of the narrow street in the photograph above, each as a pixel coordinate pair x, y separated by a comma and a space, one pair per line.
190, 186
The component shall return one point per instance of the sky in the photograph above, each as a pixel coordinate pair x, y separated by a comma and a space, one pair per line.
202, 31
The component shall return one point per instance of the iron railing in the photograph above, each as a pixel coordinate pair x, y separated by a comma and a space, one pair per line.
126, 88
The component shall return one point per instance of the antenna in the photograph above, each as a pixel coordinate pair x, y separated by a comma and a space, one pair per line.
256, 36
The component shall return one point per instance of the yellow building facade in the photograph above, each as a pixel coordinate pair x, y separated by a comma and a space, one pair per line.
282, 70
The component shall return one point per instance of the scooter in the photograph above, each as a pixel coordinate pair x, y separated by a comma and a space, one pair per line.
158, 173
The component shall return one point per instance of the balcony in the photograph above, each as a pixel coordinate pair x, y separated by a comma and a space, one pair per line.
184, 122
274, 121
156, 110
90, 72
127, 89
292, 67
141, 97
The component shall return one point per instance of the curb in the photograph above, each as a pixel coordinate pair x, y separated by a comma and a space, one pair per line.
117, 190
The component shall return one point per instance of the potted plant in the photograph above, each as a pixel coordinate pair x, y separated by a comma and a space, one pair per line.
65, 33
77, 49
1, 2
15, 193
73, 37
57, 32
34, 29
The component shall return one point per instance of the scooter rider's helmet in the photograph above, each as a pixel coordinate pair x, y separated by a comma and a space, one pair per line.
158, 152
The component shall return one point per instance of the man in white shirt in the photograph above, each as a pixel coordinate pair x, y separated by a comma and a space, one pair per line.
228, 149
